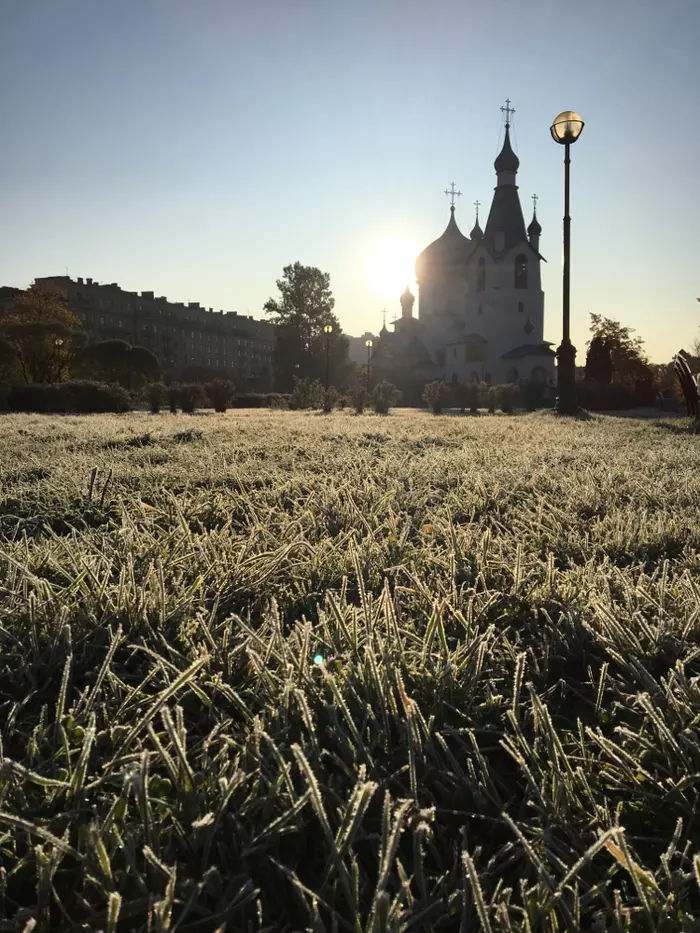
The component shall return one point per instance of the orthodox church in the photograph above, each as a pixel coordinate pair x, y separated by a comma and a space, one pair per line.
480, 299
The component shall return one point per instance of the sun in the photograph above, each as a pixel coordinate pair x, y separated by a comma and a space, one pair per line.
389, 266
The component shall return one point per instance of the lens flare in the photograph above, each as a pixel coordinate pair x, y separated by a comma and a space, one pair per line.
388, 266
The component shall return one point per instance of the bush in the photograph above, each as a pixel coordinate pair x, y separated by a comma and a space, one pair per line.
277, 400
81, 396
507, 396
330, 397
600, 396
172, 394
306, 394
191, 396
385, 395
472, 396
154, 394
491, 398
358, 397
220, 392
437, 394
534, 395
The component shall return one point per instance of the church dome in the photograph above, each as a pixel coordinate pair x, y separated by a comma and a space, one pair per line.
450, 249
534, 229
507, 161
477, 233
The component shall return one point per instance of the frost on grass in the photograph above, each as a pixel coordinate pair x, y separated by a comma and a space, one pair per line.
290, 673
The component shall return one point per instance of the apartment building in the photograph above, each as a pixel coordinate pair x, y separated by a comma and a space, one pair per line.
182, 336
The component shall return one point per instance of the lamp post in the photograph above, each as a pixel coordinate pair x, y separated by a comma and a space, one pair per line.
58, 343
368, 344
566, 129
328, 330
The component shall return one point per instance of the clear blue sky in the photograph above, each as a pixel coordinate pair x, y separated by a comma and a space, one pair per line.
194, 147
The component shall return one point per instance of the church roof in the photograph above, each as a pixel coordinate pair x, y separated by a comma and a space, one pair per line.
529, 349
534, 229
450, 249
505, 217
506, 160
470, 338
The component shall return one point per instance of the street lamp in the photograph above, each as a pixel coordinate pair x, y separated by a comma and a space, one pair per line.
368, 344
58, 343
566, 129
327, 330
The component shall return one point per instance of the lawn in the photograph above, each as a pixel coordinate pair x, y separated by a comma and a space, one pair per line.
284, 671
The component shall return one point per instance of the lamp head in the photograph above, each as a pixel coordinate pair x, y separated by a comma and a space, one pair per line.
368, 343
328, 329
567, 127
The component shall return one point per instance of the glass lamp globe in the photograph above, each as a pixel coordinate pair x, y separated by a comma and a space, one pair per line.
368, 343
328, 329
567, 127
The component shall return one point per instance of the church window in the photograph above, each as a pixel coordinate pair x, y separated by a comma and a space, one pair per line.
539, 374
487, 378
481, 310
454, 378
512, 375
475, 377
481, 275
521, 307
521, 271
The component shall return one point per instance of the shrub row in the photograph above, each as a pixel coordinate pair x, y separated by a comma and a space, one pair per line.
475, 395
220, 394
79, 396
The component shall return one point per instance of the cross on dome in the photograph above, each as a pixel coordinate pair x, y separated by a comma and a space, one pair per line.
535, 199
477, 205
508, 110
452, 194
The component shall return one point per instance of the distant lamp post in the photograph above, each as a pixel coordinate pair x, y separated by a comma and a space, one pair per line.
368, 344
328, 330
566, 129
58, 343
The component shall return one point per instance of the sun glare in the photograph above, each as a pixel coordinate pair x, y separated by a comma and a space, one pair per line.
389, 266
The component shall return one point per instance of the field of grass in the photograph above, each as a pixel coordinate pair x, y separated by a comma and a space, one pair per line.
279, 671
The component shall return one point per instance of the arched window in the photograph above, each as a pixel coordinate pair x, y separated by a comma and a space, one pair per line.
521, 307
538, 375
454, 379
487, 378
481, 275
480, 310
512, 375
521, 271
475, 377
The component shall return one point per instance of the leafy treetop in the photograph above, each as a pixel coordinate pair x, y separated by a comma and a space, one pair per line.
40, 334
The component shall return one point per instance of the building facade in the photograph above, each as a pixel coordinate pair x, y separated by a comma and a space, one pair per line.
481, 304
182, 336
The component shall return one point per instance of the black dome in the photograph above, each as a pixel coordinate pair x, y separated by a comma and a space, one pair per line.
507, 161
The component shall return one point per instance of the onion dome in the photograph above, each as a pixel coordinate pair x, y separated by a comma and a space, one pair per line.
506, 161
534, 229
450, 249
477, 233
407, 302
